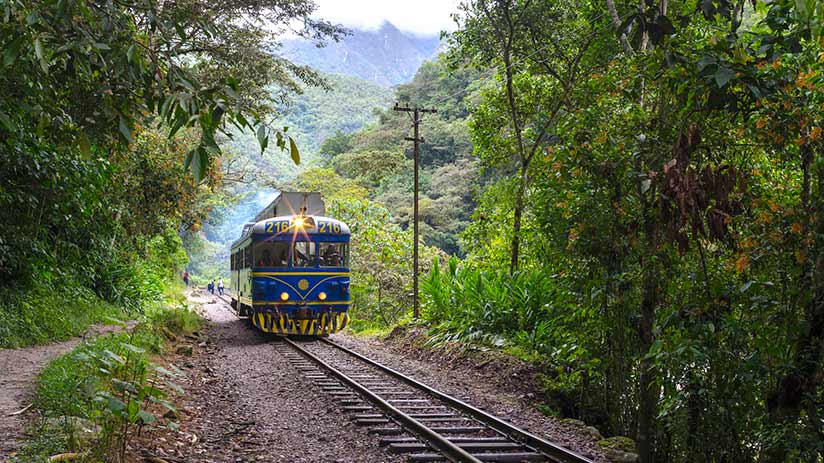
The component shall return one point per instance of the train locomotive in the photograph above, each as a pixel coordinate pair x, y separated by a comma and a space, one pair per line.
290, 270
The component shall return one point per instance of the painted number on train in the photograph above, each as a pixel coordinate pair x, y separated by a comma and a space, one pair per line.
277, 227
328, 227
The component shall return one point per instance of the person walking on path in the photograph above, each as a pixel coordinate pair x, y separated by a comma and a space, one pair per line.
211, 287
186, 278
220, 287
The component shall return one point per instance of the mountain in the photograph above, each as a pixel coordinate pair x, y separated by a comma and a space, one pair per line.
387, 56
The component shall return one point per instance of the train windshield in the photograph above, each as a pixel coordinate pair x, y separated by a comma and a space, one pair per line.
304, 254
334, 254
271, 254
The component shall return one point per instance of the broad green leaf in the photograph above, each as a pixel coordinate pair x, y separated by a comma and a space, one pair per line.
199, 161
133, 409
263, 138
7, 122
189, 156
132, 348
146, 417
114, 356
293, 150
125, 131
121, 385
114, 404
12, 50
723, 76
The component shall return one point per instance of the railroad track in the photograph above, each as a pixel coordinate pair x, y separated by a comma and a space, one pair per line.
412, 418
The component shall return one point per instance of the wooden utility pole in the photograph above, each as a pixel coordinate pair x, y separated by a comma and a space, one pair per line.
416, 140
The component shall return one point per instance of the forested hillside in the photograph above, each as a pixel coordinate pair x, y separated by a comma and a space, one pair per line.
380, 160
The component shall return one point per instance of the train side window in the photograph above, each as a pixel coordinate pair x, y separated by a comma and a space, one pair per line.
303, 254
333, 254
272, 254
247, 258
232, 261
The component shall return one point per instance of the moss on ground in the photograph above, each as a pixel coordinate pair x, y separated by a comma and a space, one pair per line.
624, 444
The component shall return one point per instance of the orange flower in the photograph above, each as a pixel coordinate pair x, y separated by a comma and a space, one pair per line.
815, 133
797, 228
742, 263
761, 123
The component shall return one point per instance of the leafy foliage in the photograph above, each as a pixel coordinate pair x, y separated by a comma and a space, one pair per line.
672, 223
99, 396
105, 108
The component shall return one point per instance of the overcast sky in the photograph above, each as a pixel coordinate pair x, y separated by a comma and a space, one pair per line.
422, 17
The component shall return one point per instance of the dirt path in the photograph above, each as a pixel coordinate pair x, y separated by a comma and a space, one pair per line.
18, 370
245, 403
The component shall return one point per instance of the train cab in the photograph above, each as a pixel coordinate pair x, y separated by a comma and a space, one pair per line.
291, 275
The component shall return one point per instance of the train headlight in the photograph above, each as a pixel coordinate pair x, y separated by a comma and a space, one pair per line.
322, 296
297, 222
284, 296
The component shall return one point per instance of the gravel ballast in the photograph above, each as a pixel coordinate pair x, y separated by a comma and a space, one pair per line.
245, 403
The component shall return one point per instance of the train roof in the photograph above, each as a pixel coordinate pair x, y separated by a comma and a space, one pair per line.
314, 225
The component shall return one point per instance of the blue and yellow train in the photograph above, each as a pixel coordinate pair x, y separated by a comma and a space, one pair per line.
291, 275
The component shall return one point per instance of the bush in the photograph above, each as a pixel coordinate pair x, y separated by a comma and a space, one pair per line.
51, 312
95, 398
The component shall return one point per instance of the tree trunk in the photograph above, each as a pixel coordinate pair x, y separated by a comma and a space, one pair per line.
650, 298
516, 223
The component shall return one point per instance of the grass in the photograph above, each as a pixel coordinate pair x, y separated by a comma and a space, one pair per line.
45, 313
95, 398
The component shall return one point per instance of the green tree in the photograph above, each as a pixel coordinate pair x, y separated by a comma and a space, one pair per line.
539, 51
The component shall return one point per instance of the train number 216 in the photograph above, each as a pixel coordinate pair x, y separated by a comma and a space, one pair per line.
277, 227
327, 227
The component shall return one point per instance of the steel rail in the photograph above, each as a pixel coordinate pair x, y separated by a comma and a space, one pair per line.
448, 449
519, 435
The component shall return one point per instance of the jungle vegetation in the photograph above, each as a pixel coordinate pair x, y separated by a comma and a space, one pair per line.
630, 192
104, 109
650, 224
